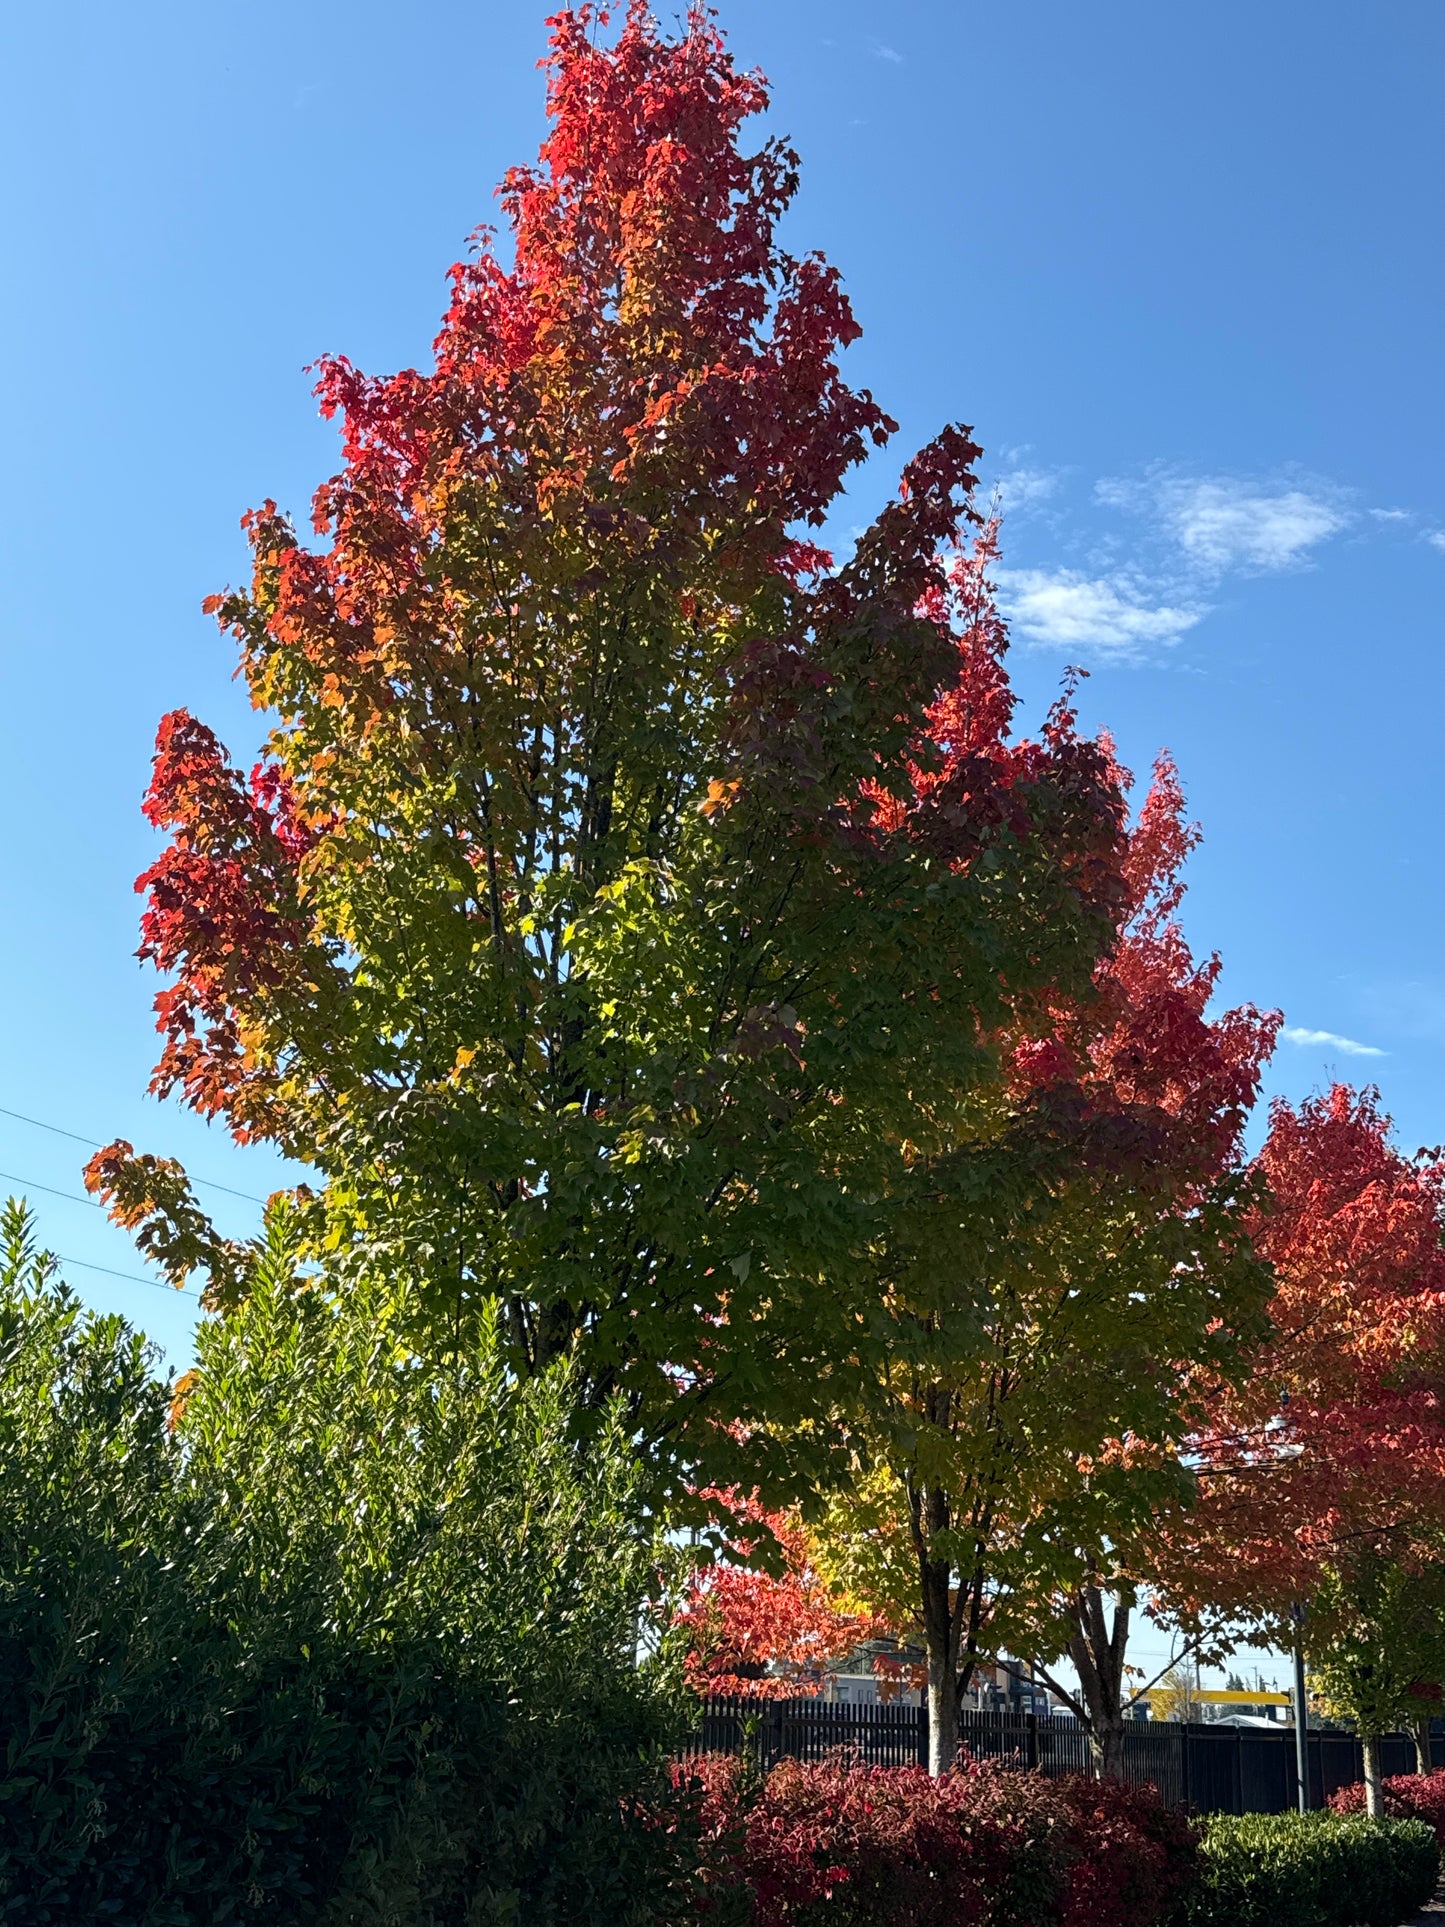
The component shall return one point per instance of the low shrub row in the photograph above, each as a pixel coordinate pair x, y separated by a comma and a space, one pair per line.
858, 1846
1408, 1796
1310, 1870
839, 1845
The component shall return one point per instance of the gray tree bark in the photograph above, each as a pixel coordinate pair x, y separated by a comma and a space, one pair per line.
1101, 1704
1097, 1651
1374, 1780
941, 1627
942, 1715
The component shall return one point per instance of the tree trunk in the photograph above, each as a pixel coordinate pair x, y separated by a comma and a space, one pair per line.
1097, 1652
1106, 1747
1374, 1783
1420, 1733
942, 1712
940, 1628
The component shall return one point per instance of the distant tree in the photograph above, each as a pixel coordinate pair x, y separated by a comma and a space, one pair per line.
1377, 1639
1323, 1470
765, 1633
1173, 1697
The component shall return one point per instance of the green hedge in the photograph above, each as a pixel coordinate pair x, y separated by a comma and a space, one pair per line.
1315, 1870
351, 1643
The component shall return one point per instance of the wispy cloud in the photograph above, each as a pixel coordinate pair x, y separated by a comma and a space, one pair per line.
1130, 594
1226, 528
1020, 489
1436, 539
881, 52
1225, 523
1064, 608
1329, 1040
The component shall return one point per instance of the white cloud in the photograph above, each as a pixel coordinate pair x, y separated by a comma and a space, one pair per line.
1025, 488
1391, 515
1327, 1039
1225, 528
1436, 539
1067, 609
1225, 523
888, 53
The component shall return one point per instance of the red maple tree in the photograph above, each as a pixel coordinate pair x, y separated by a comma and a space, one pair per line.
1160, 1090
758, 1633
616, 861
1141, 1050
640, 407
1335, 1442
1070, 1252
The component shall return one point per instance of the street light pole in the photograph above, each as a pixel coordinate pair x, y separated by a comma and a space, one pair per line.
1301, 1709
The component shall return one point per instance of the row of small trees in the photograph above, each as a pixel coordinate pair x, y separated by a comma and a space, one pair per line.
668, 956
1305, 1482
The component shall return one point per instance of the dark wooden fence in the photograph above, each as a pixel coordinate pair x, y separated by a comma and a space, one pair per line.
1216, 1769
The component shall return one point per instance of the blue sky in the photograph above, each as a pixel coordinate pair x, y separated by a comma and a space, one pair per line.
1180, 266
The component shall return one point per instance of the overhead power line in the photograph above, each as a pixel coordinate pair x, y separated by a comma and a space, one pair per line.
129, 1276
213, 1184
73, 1197
32, 1184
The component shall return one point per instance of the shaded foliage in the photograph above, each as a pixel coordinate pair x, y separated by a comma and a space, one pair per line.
1311, 1870
344, 1641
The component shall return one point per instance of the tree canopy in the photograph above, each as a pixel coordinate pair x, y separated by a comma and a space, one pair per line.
1334, 1443
625, 887
676, 967
1080, 1237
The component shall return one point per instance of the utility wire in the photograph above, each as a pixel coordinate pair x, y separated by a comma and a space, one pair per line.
30, 1184
212, 1184
129, 1276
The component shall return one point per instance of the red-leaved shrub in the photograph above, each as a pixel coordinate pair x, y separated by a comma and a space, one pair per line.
859, 1846
1132, 1856
1408, 1796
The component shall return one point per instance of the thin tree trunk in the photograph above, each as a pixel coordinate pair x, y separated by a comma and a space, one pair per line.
1097, 1652
1374, 1783
942, 1713
1420, 1734
941, 1623
1106, 1745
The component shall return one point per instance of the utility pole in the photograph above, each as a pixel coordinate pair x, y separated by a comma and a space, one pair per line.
1301, 1709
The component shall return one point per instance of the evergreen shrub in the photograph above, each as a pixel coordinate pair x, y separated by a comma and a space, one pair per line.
339, 1640
1311, 1870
